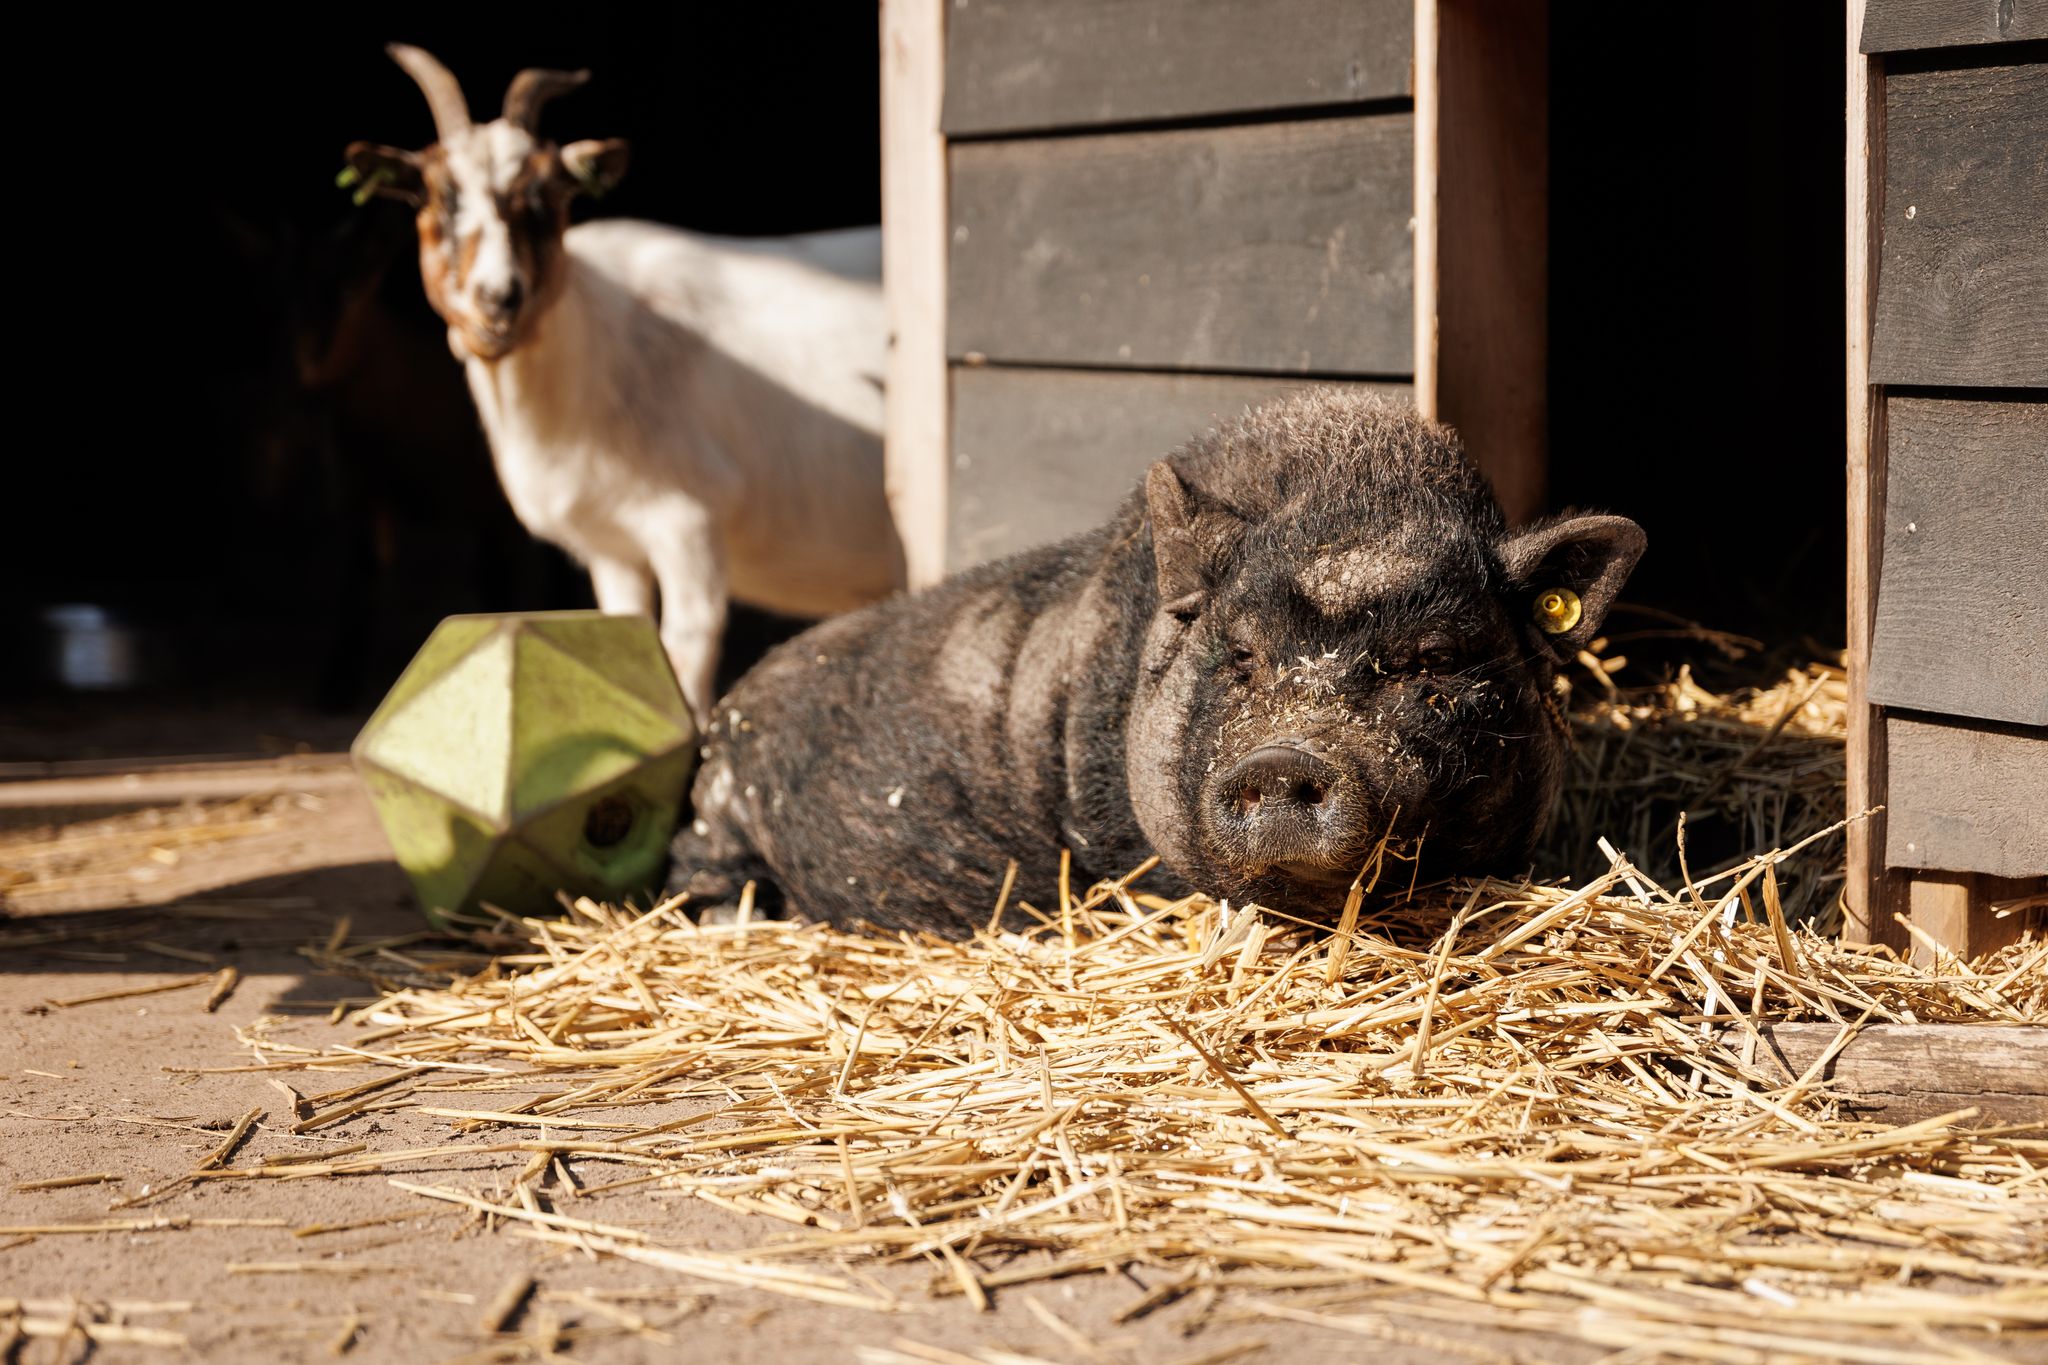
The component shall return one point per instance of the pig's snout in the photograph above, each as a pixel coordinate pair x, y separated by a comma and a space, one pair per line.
1278, 782
1285, 808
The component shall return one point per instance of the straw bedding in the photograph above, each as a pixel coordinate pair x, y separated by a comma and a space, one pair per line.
1543, 1104
1747, 766
1491, 1102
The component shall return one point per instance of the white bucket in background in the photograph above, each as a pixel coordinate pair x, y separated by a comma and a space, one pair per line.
91, 650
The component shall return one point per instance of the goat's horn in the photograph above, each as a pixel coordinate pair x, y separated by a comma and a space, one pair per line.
437, 83
534, 87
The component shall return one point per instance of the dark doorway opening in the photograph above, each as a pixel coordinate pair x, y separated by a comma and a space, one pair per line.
253, 539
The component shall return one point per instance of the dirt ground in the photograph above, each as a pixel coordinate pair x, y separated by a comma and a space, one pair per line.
112, 881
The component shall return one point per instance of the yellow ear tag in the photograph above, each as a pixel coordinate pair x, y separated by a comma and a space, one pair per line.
1557, 610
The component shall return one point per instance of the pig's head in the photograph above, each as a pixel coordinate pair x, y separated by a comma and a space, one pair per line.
1348, 646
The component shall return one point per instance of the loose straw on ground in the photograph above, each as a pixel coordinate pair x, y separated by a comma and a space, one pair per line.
1540, 1104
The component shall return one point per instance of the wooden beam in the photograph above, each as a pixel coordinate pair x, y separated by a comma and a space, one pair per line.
1900, 1073
914, 280
1871, 900
1482, 186
1428, 116
161, 784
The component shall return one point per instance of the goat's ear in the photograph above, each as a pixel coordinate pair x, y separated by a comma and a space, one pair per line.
596, 164
1190, 540
387, 171
1563, 576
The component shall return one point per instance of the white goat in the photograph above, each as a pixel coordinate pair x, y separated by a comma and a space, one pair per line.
682, 412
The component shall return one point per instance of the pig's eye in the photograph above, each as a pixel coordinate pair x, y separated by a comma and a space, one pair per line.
1244, 660
1436, 654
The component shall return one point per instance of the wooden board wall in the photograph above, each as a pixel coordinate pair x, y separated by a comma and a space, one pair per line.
1963, 291
1962, 609
1032, 65
1161, 211
1947, 285
1899, 25
1275, 247
1039, 454
1967, 796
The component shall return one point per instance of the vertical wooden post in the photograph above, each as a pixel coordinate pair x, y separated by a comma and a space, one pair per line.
1428, 104
1870, 899
917, 424
1482, 235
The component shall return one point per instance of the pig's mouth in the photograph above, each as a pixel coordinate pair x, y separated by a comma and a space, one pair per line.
1319, 875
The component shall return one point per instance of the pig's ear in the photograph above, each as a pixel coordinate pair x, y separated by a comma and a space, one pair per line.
1563, 576
1186, 541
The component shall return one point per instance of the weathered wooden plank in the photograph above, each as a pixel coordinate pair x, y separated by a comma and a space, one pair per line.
1962, 613
1966, 797
1964, 283
1900, 1073
1041, 454
1280, 247
914, 281
1017, 65
1482, 251
1902, 25
1871, 897
162, 784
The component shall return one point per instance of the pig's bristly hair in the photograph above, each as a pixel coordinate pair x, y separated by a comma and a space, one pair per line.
890, 765
1328, 457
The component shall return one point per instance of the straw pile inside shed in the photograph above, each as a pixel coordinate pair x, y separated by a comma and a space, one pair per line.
1750, 768
1503, 1103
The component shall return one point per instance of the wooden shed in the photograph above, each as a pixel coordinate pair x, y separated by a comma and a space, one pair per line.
1108, 224
1948, 464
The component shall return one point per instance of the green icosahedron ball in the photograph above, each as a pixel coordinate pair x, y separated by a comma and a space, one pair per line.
521, 756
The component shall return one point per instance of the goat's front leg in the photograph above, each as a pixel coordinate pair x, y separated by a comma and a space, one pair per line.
688, 554
623, 588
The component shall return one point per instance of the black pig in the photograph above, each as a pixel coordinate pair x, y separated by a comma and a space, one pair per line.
1308, 631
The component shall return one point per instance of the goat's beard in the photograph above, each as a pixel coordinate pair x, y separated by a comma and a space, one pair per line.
469, 342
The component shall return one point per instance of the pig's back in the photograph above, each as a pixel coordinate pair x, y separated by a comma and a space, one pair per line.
921, 743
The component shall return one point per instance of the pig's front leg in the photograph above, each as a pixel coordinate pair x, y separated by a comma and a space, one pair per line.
712, 861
